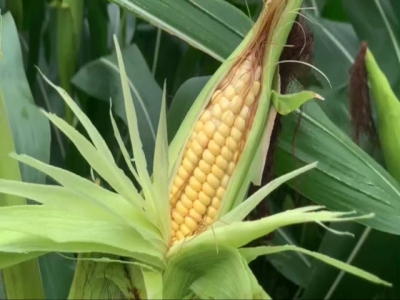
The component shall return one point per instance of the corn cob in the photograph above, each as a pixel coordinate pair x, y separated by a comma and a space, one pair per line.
213, 149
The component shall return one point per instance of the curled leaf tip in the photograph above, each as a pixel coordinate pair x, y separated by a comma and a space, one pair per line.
319, 97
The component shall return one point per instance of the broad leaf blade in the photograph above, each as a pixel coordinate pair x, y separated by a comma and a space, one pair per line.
190, 23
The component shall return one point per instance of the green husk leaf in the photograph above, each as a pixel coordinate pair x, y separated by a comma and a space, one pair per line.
388, 108
140, 159
252, 253
160, 173
71, 233
238, 234
154, 284
285, 104
244, 208
105, 168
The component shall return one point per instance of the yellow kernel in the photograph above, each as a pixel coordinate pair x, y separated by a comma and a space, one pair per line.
244, 112
196, 148
181, 209
211, 212
179, 181
184, 229
231, 143
202, 139
194, 159
228, 118
179, 235
199, 207
199, 175
208, 157
174, 225
174, 190
225, 181
195, 184
190, 223
240, 86
192, 137
219, 138
226, 153
224, 103
240, 123
250, 99
236, 134
215, 202
177, 217
224, 129
237, 103
188, 203
208, 189
196, 216
221, 162
208, 220
218, 172
209, 129
231, 168
204, 167
214, 148
199, 126
190, 193
213, 181
229, 92
189, 167
216, 111
220, 192
203, 198
256, 87
205, 116
182, 173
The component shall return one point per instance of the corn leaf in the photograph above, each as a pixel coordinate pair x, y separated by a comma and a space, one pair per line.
154, 284
100, 77
113, 203
388, 109
160, 173
288, 103
238, 234
385, 31
14, 100
346, 178
70, 233
192, 22
244, 208
252, 253
140, 159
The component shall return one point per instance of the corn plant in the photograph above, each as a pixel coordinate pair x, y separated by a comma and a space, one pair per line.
145, 243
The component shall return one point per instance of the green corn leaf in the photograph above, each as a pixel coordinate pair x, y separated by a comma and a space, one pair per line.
140, 159
188, 21
288, 103
388, 108
160, 173
69, 27
153, 283
252, 253
244, 208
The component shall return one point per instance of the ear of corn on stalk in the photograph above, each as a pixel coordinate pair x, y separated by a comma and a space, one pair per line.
388, 109
229, 124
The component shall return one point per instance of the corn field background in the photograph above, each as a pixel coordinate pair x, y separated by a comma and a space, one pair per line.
182, 43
